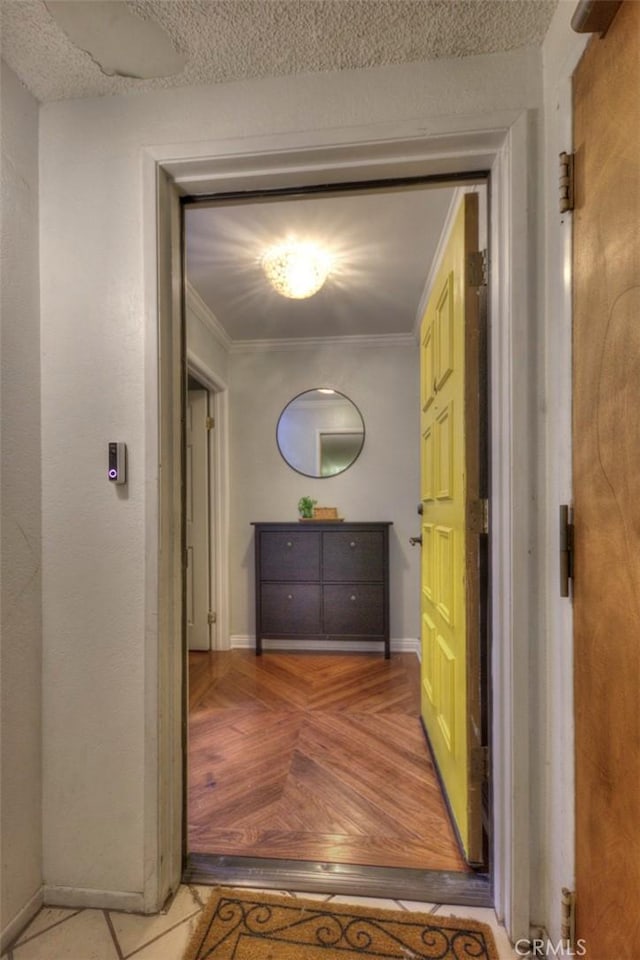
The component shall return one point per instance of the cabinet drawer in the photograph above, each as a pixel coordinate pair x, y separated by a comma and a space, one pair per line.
353, 556
291, 608
293, 555
354, 609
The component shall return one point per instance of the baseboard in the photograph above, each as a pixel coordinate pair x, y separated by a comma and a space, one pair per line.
398, 645
21, 920
99, 899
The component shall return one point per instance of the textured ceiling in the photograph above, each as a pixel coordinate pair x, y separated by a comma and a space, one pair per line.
383, 241
227, 40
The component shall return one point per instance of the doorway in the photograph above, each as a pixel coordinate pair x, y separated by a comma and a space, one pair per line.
220, 682
503, 144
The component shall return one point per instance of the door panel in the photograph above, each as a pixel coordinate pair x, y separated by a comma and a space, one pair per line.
353, 556
606, 476
290, 556
449, 485
355, 609
289, 609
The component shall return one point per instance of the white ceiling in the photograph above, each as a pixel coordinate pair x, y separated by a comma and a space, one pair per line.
226, 40
383, 241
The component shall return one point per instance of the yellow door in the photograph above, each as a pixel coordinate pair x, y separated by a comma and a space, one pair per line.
451, 524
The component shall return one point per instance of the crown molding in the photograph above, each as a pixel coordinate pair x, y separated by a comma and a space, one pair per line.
384, 340
196, 304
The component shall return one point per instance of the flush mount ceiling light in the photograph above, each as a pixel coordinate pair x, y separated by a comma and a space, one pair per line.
296, 270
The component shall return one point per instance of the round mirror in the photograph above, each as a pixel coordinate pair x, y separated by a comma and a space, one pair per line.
320, 433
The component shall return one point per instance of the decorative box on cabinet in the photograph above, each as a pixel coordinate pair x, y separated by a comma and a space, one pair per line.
322, 581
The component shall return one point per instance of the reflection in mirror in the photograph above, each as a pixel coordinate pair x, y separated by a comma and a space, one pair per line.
320, 433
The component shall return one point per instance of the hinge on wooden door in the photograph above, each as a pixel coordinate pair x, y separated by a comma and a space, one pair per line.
484, 516
566, 549
211, 617
478, 269
568, 918
566, 182
479, 762
210, 423
590, 17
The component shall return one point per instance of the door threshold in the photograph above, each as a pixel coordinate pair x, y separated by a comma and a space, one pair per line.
310, 876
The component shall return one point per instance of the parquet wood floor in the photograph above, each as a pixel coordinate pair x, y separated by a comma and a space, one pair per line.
313, 756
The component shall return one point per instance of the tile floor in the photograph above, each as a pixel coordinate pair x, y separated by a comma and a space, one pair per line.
61, 934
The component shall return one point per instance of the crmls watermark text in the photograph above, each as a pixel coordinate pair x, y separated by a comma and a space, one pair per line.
546, 948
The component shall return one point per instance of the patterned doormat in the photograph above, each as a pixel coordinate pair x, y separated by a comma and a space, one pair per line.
245, 925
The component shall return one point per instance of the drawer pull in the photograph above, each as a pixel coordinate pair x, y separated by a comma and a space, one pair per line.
352, 544
290, 596
353, 596
289, 543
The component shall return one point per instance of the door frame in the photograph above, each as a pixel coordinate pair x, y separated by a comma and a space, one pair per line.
504, 143
194, 384
218, 492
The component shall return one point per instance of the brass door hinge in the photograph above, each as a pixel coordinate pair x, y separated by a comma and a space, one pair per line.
567, 556
211, 617
479, 763
478, 269
484, 516
210, 423
566, 182
590, 17
568, 918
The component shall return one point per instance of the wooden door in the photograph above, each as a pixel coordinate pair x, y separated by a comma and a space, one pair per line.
606, 465
197, 521
450, 667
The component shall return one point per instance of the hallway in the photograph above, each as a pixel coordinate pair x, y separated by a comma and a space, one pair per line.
313, 756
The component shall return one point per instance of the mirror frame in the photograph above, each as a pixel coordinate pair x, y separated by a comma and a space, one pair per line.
315, 476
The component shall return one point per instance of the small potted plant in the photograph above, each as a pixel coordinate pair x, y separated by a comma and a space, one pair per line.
305, 507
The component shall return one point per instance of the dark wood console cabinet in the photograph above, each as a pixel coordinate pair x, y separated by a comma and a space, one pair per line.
322, 581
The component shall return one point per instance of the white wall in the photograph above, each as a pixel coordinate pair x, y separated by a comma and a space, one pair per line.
21, 628
93, 352
383, 484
